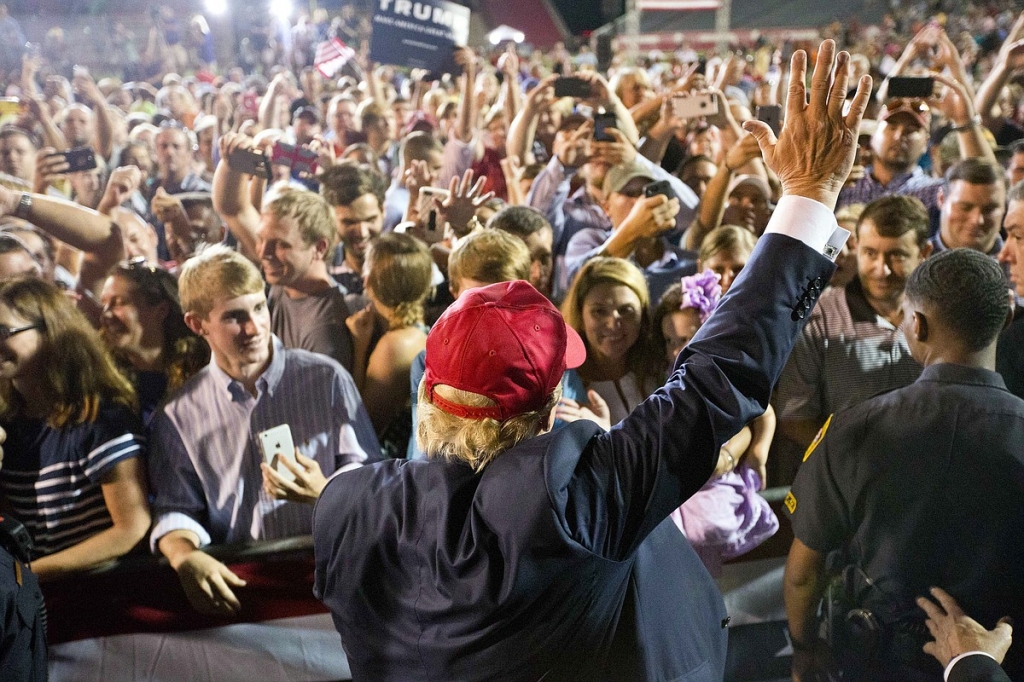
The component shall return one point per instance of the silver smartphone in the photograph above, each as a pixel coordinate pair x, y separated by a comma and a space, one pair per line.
276, 444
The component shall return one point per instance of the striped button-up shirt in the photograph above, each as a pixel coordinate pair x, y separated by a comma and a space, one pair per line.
205, 458
913, 184
846, 354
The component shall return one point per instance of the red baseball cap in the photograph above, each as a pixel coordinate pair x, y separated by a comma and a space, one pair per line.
504, 341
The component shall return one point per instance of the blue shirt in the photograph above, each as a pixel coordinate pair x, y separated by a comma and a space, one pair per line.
51, 478
205, 465
915, 184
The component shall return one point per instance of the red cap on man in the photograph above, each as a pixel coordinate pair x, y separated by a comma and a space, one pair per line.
504, 341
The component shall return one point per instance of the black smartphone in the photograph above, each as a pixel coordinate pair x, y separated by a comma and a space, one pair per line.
248, 161
918, 87
772, 115
79, 159
602, 122
573, 87
653, 189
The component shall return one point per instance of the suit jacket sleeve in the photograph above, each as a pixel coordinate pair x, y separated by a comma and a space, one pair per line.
627, 481
976, 668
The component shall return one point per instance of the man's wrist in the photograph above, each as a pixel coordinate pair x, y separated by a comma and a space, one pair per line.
971, 123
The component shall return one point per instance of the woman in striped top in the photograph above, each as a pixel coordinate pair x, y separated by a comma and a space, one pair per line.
73, 472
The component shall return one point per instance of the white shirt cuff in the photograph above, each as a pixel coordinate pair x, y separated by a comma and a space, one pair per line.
945, 673
810, 222
176, 521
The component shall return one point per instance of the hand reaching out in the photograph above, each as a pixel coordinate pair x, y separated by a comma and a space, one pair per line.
957, 633
568, 410
207, 584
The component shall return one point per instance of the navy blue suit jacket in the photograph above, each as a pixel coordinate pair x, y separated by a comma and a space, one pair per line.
557, 561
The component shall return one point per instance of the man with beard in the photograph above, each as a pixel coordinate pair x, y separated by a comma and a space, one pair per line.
357, 196
900, 140
852, 347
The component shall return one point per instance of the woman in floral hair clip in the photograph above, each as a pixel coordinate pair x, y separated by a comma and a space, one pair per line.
727, 517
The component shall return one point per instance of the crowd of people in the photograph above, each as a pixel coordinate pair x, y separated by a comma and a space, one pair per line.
194, 257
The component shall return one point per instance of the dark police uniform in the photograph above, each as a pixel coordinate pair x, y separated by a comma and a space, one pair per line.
922, 486
22, 636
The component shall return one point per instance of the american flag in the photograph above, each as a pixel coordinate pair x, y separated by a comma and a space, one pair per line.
678, 5
331, 55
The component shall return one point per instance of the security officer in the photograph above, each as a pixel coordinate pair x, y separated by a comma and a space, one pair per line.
22, 635
919, 487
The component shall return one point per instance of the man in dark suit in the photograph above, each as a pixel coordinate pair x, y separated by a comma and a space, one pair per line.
518, 554
967, 651
1010, 352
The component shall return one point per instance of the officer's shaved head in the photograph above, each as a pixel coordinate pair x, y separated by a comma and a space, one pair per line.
968, 292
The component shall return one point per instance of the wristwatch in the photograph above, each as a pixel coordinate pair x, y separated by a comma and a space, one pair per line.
24, 206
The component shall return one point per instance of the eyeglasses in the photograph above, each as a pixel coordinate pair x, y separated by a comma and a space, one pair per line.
7, 332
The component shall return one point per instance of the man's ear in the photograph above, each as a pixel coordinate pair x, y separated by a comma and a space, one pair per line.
927, 249
940, 197
920, 326
322, 246
195, 323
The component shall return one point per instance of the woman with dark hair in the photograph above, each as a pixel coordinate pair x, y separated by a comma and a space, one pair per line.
73, 472
145, 330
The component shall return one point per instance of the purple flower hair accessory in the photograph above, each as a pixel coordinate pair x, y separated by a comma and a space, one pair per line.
702, 293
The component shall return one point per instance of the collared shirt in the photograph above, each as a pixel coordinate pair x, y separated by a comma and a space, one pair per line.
205, 460
660, 275
396, 200
915, 184
846, 354
568, 216
938, 246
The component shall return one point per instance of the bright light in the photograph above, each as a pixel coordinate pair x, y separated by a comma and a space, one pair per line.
216, 7
282, 9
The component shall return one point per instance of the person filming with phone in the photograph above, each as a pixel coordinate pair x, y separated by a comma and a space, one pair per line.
209, 440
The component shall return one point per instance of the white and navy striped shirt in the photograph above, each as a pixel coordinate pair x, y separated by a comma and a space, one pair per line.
204, 467
51, 478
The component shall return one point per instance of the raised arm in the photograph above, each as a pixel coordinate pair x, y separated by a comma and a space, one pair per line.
231, 197
87, 89
666, 449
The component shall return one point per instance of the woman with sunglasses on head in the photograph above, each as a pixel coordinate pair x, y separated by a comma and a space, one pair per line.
73, 472
143, 326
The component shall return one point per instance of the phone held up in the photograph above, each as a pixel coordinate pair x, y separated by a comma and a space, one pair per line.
911, 87
276, 443
602, 122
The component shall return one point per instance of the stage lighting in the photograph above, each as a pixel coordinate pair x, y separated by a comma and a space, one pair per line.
216, 7
282, 9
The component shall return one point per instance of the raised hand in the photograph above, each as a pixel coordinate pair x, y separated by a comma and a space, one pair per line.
815, 151
464, 198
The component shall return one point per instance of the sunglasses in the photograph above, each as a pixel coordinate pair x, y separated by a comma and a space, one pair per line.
7, 332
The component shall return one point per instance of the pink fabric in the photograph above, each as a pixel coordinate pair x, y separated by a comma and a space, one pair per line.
726, 518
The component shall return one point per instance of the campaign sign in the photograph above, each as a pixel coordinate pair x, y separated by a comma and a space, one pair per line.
420, 34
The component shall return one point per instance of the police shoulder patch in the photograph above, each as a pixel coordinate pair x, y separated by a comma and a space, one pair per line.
790, 502
818, 438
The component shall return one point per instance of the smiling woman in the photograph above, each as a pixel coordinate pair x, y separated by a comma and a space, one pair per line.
72, 473
608, 305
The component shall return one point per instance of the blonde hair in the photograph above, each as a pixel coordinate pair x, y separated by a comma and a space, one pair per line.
398, 271
730, 238
215, 272
489, 255
475, 442
309, 210
642, 358
77, 372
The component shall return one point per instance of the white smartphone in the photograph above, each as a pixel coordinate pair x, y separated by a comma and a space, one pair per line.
694, 106
277, 443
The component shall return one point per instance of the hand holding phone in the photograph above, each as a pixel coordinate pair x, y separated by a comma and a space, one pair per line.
573, 87
79, 159
602, 122
276, 443
662, 187
250, 162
